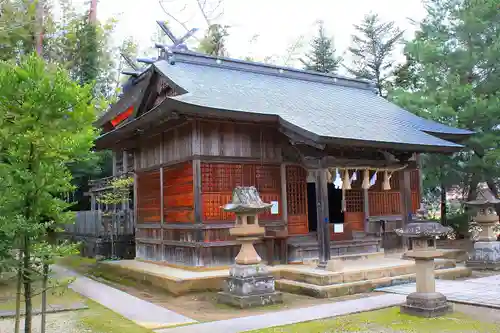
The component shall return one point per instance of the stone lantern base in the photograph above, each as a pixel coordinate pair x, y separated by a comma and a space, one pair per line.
249, 286
426, 305
486, 255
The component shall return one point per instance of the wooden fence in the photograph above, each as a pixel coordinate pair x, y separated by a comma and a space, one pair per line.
93, 230
94, 223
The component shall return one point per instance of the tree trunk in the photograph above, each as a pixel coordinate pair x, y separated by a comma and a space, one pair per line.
473, 188
44, 296
444, 220
27, 285
19, 284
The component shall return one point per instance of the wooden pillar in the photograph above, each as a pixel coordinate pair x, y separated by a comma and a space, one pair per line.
420, 179
136, 179
125, 161
114, 162
125, 203
196, 151
284, 207
405, 201
160, 255
405, 195
323, 217
366, 210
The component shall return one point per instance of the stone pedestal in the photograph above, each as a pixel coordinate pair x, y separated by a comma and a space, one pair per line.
250, 283
249, 286
486, 255
425, 302
426, 305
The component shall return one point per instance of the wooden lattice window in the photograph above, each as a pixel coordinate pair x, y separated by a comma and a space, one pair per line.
354, 200
296, 191
217, 177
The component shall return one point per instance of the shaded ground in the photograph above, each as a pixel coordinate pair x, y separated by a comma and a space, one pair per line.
201, 306
391, 321
95, 319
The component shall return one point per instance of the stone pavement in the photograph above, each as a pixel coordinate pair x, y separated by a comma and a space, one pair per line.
143, 313
293, 316
481, 292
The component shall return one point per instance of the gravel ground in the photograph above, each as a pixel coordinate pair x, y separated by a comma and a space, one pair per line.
64, 322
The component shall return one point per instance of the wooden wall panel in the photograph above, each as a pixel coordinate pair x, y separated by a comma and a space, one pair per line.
178, 194
382, 203
296, 191
177, 143
176, 146
148, 197
219, 179
239, 140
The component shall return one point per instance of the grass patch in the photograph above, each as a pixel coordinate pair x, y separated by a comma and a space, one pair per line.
57, 296
389, 320
99, 319
77, 263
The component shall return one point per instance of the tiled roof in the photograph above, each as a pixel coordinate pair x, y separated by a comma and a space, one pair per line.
328, 106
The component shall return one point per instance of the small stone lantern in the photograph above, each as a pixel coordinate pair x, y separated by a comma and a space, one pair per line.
425, 302
249, 283
486, 253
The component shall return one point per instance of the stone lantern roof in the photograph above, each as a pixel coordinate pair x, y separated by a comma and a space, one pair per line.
484, 198
246, 199
423, 229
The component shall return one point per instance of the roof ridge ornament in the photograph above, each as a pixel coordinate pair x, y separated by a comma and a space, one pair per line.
178, 44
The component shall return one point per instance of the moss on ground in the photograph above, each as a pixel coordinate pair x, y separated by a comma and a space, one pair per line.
57, 296
98, 319
389, 320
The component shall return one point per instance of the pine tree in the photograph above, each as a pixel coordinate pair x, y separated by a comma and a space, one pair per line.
214, 42
322, 57
372, 50
452, 76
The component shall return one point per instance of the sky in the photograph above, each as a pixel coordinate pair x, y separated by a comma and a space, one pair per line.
276, 23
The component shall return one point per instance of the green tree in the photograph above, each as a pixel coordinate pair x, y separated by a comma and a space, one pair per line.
214, 41
322, 57
372, 50
45, 124
17, 27
453, 76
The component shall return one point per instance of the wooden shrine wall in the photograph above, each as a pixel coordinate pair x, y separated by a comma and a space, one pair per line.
178, 194
219, 179
227, 139
296, 196
148, 197
384, 203
167, 147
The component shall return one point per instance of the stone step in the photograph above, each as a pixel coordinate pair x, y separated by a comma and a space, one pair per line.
358, 273
351, 257
350, 288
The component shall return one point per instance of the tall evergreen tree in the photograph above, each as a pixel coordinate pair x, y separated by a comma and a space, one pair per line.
322, 56
214, 41
453, 77
372, 50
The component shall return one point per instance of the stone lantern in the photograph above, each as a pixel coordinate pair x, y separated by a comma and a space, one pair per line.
249, 283
486, 253
425, 302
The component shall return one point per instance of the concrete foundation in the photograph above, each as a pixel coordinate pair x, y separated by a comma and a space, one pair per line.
486, 255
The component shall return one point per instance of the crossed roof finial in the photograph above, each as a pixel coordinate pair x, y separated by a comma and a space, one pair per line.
178, 43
